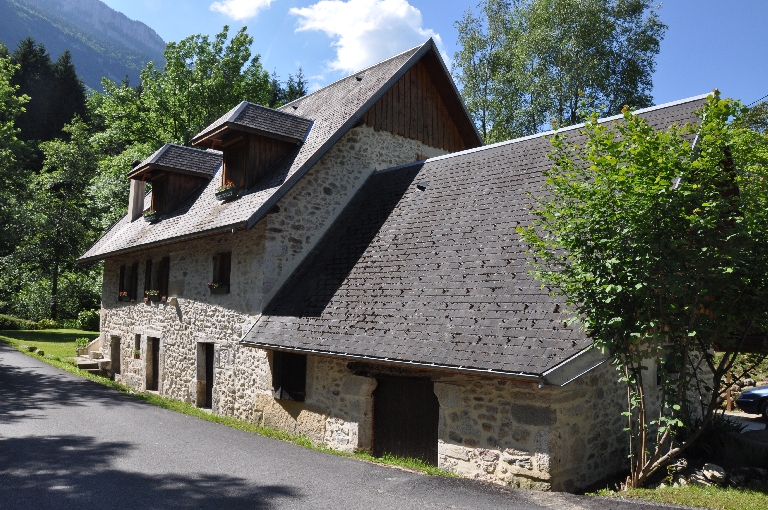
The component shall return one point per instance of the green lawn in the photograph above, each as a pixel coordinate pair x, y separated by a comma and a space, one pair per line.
56, 342
703, 497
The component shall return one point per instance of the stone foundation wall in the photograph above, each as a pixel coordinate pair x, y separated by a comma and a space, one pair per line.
550, 438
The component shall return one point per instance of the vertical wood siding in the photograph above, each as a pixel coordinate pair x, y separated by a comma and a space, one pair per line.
413, 108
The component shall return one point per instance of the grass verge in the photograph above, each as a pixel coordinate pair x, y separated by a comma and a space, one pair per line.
56, 342
703, 497
15, 339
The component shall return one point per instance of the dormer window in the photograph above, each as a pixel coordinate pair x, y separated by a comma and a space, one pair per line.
253, 139
174, 172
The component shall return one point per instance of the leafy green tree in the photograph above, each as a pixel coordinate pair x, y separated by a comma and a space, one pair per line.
526, 65
276, 91
659, 250
12, 174
60, 211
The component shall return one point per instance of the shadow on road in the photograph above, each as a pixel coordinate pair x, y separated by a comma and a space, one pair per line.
25, 392
77, 472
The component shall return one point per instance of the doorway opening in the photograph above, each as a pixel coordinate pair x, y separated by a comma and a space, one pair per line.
153, 363
205, 364
114, 354
405, 419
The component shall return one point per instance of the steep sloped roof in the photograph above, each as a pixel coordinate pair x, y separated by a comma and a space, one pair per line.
260, 120
424, 266
333, 110
178, 158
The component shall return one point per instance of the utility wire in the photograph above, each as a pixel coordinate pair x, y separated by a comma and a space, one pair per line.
750, 104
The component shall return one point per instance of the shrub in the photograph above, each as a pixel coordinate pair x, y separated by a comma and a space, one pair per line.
9, 322
47, 324
81, 342
88, 320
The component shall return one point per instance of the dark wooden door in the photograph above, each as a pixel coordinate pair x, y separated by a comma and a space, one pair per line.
153, 350
208, 375
405, 416
114, 354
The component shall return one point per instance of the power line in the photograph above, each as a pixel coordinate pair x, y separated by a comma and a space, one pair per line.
750, 104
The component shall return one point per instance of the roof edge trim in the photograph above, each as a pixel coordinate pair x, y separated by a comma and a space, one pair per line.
568, 128
574, 367
172, 240
435, 366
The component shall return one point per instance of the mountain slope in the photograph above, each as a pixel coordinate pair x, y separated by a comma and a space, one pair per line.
103, 42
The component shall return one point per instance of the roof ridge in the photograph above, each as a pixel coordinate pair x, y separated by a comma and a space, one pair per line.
415, 48
567, 128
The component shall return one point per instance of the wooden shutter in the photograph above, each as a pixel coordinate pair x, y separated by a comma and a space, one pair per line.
148, 276
121, 283
225, 266
163, 276
133, 288
234, 166
289, 376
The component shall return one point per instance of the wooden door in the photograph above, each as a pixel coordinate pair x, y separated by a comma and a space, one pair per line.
405, 419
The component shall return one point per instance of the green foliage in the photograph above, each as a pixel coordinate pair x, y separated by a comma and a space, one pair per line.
12, 174
81, 342
8, 322
88, 320
715, 498
529, 64
659, 250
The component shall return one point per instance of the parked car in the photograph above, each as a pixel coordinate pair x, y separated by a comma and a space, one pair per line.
754, 401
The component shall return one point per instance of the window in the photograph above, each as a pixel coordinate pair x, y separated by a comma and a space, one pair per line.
148, 278
159, 193
234, 166
133, 285
289, 376
163, 276
121, 284
222, 266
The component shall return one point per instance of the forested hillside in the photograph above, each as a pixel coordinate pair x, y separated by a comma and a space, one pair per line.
102, 41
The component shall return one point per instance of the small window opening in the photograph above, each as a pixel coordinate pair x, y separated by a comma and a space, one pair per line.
163, 276
121, 292
222, 267
136, 346
289, 376
133, 281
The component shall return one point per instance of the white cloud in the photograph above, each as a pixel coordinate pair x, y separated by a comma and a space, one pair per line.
240, 9
365, 31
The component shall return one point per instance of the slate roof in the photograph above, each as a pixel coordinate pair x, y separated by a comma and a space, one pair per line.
178, 158
333, 110
261, 120
424, 266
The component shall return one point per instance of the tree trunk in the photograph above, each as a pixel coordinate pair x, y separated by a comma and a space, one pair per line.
55, 290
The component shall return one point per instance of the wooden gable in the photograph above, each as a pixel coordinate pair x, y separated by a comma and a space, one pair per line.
423, 105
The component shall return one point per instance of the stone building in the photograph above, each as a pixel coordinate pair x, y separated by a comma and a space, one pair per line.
346, 267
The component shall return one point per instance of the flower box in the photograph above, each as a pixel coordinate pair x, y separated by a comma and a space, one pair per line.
124, 297
219, 288
228, 193
151, 295
151, 216
136, 354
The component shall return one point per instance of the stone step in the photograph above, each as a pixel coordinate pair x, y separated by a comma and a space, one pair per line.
94, 371
96, 355
85, 365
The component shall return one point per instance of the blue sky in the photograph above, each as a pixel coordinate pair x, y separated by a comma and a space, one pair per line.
709, 43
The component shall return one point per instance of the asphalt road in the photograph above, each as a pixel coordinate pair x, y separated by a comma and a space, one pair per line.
66, 442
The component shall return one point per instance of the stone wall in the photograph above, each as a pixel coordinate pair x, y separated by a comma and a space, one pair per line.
338, 407
550, 438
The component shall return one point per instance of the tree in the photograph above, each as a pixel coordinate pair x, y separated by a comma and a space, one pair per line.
12, 174
530, 64
296, 86
60, 211
659, 250
202, 80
